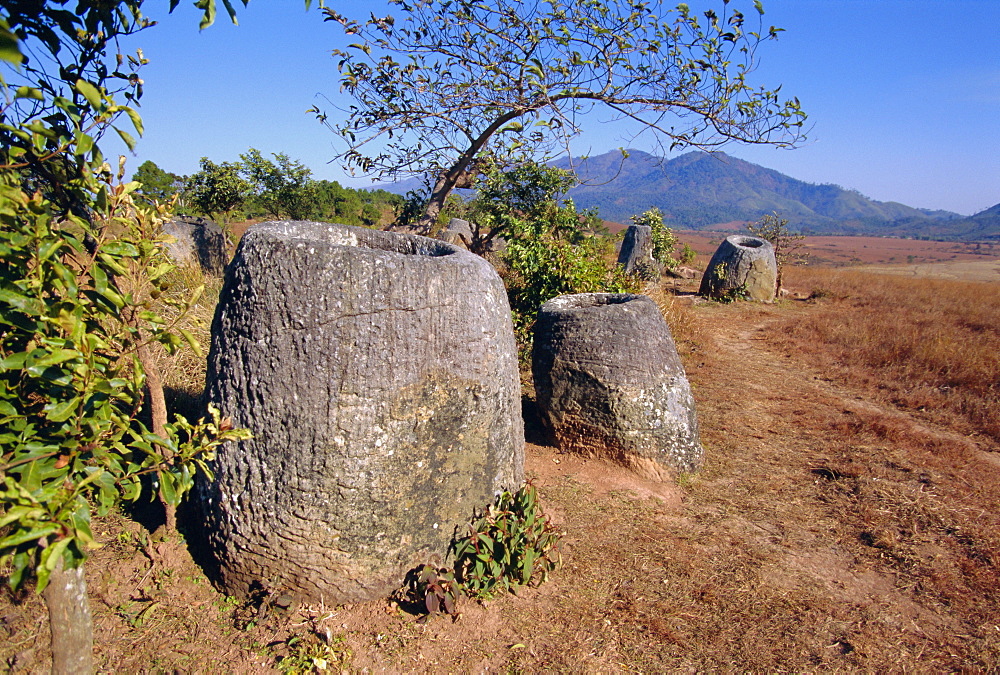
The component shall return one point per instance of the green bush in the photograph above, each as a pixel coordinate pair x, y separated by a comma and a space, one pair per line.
511, 546
548, 251
76, 310
664, 239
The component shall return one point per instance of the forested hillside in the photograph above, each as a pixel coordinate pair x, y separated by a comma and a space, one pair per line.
699, 190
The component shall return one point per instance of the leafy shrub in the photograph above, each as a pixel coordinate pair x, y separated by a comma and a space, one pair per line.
437, 589
76, 314
664, 239
548, 252
512, 545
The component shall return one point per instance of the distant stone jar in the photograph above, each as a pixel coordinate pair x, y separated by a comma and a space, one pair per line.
458, 232
609, 383
198, 242
744, 268
378, 374
636, 254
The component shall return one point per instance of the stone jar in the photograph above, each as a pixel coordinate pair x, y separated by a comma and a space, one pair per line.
609, 383
197, 242
636, 253
743, 267
378, 374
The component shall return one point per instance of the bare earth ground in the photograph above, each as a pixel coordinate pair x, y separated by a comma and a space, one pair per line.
827, 531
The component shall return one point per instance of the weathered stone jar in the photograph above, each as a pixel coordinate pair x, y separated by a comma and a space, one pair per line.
609, 383
636, 252
197, 242
378, 374
742, 267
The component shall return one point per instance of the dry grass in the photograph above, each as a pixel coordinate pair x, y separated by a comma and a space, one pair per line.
678, 314
930, 345
183, 374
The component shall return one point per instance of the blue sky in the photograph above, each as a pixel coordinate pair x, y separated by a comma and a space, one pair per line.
903, 96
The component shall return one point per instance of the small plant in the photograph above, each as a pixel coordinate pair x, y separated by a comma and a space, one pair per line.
511, 546
310, 655
438, 589
786, 245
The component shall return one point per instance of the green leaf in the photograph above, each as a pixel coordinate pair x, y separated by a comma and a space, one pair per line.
21, 536
192, 341
9, 47
136, 120
61, 412
91, 93
208, 18
168, 487
27, 92
127, 138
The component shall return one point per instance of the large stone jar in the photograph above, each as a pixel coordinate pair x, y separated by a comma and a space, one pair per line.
609, 383
743, 267
378, 374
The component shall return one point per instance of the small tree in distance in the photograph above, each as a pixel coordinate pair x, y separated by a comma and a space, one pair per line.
217, 189
774, 229
283, 187
157, 184
452, 86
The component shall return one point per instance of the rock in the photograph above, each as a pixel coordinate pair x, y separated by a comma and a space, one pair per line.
199, 242
609, 383
378, 374
496, 245
458, 232
636, 254
742, 267
683, 273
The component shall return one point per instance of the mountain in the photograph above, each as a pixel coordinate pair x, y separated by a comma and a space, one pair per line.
983, 225
702, 190
713, 191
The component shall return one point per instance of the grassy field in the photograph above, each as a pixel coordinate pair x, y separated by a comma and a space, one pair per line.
846, 519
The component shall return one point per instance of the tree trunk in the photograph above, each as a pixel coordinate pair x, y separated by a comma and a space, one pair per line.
445, 184
158, 413
72, 631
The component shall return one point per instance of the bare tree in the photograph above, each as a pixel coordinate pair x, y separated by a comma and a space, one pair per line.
453, 81
774, 229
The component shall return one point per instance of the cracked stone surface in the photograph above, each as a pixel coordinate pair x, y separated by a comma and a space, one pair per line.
609, 383
378, 374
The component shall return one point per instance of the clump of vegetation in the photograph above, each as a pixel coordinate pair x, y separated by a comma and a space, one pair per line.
438, 589
664, 240
313, 655
83, 265
549, 251
510, 546
258, 187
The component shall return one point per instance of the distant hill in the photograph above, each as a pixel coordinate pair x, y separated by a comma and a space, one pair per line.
713, 191
984, 225
701, 190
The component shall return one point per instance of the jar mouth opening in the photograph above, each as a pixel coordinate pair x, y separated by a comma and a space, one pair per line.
337, 234
749, 242
588, 300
